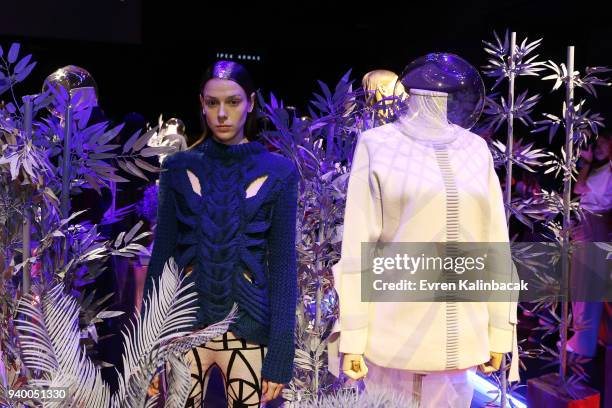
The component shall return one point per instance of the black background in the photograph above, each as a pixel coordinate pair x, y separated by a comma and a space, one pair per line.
149, 57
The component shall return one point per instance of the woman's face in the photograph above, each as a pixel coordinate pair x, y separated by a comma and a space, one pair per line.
225, 106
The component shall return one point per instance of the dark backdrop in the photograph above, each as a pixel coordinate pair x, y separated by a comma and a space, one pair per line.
149, 57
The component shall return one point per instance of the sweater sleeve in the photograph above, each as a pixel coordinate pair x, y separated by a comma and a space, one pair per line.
362, 223
165, 231
502, 315
282, 266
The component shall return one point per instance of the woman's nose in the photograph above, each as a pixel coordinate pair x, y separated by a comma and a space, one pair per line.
221, 112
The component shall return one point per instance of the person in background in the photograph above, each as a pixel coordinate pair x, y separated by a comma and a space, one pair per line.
594, 185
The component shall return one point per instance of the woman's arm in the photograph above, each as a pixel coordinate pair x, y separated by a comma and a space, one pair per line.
282, 285
165, 230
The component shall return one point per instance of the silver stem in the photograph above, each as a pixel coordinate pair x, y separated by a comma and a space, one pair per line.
567, 192
508, 189
65, 195
27, 216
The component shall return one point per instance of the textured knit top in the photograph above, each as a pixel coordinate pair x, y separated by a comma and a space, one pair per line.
241, 248
410, 188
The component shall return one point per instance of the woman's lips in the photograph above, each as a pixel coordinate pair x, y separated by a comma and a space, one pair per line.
223, 127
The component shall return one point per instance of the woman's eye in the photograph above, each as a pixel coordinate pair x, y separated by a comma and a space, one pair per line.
211, 103
235, 102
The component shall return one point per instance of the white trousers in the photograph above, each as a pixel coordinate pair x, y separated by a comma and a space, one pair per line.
442, 389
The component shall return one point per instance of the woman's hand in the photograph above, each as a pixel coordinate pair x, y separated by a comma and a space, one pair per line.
270, 390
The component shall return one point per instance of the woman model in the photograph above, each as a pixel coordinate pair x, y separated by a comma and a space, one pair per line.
227, 212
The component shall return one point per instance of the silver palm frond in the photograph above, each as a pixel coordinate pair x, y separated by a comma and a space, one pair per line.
166, 314
179, 381
5, 401
159, 335
50, 343
49, 336
183, 344
372, 397
152, 401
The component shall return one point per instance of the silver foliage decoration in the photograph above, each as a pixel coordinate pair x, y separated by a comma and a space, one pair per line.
580, 126
50, 343
508, 61
179, 381
371, 398
584, 122
42, 243
321, 145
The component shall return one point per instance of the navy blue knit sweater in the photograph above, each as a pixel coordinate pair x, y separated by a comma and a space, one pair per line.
241, 249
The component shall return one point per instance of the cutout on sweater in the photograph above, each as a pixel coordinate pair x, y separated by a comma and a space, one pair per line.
248, 276
195, 183
255, 186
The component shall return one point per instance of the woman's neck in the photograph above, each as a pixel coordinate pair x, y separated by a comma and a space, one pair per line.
237, 139
214, 148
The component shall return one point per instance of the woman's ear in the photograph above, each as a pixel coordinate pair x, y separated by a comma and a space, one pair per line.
201, 101
252, 105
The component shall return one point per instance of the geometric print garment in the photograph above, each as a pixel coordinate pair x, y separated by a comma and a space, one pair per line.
240, 363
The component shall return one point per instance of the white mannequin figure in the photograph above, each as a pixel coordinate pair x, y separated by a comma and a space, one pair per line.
425, 132
425, 117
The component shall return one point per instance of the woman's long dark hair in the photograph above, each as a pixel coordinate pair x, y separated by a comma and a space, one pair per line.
235, 72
